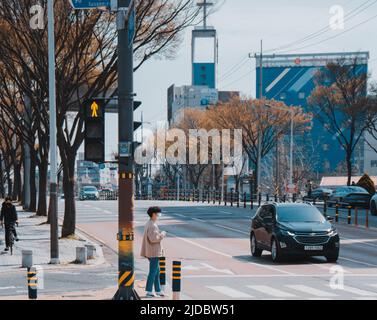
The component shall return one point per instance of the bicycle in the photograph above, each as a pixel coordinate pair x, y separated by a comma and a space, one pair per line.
11, 237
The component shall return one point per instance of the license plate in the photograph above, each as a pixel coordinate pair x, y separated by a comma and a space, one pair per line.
313, 248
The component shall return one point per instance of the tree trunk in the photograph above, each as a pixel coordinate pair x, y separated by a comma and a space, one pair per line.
2, 193
69, 224
349, 167
9, 181
42, 194
17, 182
33, 188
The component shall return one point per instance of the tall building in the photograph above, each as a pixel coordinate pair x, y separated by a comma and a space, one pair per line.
202, 92
291, 79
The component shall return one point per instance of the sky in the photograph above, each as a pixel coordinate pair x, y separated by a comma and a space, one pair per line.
241, 24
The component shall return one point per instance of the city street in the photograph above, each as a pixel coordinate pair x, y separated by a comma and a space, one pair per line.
213, 244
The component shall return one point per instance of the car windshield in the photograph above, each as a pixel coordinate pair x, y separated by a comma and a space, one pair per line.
299, 214
90, 189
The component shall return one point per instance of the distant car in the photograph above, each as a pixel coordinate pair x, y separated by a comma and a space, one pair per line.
359, 200
373, 205
318, 194
341, 192
107, 194
89, 193
293, 229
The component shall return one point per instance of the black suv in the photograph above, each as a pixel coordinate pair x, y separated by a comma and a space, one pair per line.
293, 229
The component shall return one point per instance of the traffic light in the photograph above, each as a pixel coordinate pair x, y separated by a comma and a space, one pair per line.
95, 131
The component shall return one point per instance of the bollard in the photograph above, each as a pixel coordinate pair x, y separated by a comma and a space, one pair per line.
225, 198
27, 258
276, 198
81, 255
367, 218
325, 207
349, 215
214, 196
267, 197
219, 195
176, 283
244, 200
252, 201
285, 198
259, 199
238, 199
356, 217
336, 212
32, 283
163, 273
231, 198
90, 251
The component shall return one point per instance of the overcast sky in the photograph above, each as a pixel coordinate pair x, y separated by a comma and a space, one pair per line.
241, 24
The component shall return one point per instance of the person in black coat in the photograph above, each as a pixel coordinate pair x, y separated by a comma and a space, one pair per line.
8, 218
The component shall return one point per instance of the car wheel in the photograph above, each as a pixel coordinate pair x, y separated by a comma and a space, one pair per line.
255, 251
373, 208
275, 251
332, 257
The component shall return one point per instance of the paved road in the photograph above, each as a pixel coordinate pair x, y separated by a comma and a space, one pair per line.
213, 244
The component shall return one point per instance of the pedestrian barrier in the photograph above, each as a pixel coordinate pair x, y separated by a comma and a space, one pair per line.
163, 273
90, 251
176, 283
81, 255
32, 283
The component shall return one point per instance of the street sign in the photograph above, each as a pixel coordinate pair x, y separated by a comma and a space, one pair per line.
90, 4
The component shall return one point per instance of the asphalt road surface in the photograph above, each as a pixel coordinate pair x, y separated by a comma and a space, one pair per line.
213, 244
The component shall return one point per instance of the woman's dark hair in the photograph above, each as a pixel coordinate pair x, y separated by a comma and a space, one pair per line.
153, 210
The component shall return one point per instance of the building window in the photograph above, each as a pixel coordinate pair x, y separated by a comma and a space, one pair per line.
373, 163
301, 95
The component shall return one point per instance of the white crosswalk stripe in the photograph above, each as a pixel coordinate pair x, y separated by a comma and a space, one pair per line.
276, 293
229, 292
311, 291
358, 291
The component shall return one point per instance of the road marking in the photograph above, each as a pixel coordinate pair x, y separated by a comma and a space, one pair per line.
344, 240
231, 229
325, 275
229, 292
272, 291
230, 256
358, 291
312, 291
225, 212
199, 220
7, 288
359, 262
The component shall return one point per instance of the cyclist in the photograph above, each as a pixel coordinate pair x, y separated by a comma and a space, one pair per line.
9, 218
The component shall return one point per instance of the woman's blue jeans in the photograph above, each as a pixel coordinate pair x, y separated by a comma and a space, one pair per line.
154, 275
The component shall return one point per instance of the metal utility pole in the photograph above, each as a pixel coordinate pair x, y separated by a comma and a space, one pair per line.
291, 150
126, 279
205, 4
54, 236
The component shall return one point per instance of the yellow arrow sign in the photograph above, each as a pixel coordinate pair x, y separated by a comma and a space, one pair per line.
94, 107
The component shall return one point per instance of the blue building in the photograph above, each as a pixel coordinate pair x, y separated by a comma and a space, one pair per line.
291, 79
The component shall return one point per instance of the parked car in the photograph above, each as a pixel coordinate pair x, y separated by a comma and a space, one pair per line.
293, 229
373, 205
319, 194
89, 193
359, 200
341, 192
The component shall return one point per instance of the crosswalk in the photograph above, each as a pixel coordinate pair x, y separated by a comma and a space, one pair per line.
296, 291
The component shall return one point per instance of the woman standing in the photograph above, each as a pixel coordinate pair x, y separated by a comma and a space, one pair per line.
152, 249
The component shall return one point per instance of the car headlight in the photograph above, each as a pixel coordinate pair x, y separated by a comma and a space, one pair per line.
332, 233
288, 233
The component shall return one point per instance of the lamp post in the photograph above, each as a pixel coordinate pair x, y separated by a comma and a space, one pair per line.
54, 237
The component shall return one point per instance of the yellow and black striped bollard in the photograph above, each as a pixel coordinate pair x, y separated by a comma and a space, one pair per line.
32, 283
163, 273
349, 215
177, 267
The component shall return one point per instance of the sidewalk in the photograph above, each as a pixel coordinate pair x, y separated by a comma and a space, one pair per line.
104, 294
34, 235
